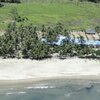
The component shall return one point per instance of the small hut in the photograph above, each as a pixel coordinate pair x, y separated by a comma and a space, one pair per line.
90, 31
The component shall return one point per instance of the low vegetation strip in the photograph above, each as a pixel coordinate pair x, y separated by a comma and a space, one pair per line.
74, 15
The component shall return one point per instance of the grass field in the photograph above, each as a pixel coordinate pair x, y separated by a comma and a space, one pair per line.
74, 15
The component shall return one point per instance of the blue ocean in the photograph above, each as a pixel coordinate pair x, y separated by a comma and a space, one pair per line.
52, 90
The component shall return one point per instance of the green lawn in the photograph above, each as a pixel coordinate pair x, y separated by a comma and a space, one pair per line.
73, 15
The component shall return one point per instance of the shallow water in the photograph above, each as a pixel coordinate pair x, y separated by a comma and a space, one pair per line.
52, 90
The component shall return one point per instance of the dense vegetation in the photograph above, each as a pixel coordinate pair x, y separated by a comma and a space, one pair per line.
63, 1
96, 1
11, 1
24, 41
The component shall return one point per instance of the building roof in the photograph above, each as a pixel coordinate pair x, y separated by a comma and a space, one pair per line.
60, 39
90, 31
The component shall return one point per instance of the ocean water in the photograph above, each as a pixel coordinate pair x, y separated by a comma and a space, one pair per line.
52, 90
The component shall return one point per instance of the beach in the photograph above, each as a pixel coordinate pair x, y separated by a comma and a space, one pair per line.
50, 79
71, 68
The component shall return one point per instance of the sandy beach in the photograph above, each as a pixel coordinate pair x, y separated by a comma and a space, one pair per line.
25, 69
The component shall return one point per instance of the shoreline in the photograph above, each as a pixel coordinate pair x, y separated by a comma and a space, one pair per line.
30, 83
25, 70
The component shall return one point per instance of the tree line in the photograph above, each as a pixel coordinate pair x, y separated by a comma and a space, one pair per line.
11, 1
24, 41
18, 1
95, 1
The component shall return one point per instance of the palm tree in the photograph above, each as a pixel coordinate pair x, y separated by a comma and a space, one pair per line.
81, 38
67, 34
58, 28
97, 28
66, 50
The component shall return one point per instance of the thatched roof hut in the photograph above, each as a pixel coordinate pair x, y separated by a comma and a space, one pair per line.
90, 31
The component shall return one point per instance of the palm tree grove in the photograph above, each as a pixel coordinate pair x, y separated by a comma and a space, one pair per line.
25, 41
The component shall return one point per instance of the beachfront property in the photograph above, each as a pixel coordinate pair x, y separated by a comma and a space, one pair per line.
90, 31
91, 38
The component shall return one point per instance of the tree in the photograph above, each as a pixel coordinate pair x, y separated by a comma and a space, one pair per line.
66, 50
1, 5
81, 38
67, 34
97, 28
39, 51
58, 28
97, 52
95, 1
16, 17
11, 1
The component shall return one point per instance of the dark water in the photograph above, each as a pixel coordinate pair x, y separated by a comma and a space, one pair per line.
52, 90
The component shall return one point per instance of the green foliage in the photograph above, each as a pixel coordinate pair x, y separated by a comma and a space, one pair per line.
97, 52
84, 50
24, 41
39, 51
1, 5
95, 1
11, 1
97, 28
81, 16
66, 50
16, 17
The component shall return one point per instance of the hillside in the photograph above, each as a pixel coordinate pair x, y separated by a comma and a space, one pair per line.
74, 15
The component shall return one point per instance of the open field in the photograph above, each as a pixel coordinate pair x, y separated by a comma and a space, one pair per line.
74, 15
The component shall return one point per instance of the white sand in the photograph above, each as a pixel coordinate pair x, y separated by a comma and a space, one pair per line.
14, 69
